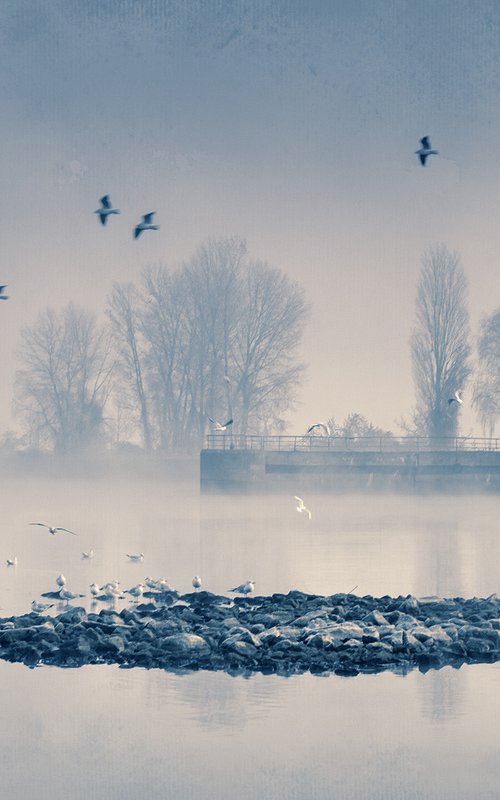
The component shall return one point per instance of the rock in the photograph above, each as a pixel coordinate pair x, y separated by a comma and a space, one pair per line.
181, 645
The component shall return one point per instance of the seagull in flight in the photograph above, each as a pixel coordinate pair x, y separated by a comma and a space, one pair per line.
196, 582
301, 506
2, 295
145, 225
106, 209
219, 426
244, 588
52, 530
321, 425
135, 556
88, 554
12, 562
456, 398
425, 150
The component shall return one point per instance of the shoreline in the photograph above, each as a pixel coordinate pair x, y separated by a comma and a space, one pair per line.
281, 634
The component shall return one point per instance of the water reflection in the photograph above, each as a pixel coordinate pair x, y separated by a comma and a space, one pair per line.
443, 695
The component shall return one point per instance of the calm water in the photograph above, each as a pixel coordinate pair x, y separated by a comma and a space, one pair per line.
102, 732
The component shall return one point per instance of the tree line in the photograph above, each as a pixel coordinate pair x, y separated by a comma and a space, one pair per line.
219, 337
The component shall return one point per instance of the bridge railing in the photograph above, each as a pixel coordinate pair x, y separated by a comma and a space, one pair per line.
379, 444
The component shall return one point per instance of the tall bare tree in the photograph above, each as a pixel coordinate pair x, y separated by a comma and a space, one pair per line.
487, 386
440, 342
64, 379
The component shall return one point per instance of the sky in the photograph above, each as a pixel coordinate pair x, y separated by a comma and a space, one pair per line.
291, 124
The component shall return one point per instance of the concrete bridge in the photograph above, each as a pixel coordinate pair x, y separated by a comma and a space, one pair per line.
234, 463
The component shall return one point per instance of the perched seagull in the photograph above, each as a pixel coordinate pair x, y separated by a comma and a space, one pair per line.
12, 562
145, 225
456, 398
196, 582
301, 506
244, 588
425, 150
106, 209
94, 589
2, 295
219, 426
163, 585
61, 580
51, 530
40, 607
111, 591
319, 425
137, 591
66, 594
135, 557
89, 554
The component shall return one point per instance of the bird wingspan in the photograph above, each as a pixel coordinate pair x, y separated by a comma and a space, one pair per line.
43, 525
229, 422
67, 531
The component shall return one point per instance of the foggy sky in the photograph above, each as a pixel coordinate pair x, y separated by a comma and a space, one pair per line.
291, 124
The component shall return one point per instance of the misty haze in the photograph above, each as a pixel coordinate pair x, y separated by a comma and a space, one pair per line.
249, 448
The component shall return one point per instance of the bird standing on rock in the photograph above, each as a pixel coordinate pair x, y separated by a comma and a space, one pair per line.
196, 582
244, 588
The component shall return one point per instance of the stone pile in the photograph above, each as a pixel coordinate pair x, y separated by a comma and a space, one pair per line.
284, 634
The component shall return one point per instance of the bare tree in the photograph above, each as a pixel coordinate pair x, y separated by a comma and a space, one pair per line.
64, 380
124, 313
487, 387
439, 344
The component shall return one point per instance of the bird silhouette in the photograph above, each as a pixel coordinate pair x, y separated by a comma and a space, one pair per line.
219, 426
52, 530
425, 150
145, 225
321, 425
106, 209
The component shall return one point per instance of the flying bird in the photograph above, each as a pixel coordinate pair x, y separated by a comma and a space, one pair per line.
425, 150
301, 506
219, 426
88, 554
145, 225
2, 295
52, 530
196, 582
12, 562
106, 209
321, 425
244, 588
135, 556
456, 398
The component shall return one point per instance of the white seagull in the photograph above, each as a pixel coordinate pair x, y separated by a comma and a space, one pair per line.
145, 225
135, 556
319, 425
196, 582
137, 591
244, 588
94, 589
61, 580
456, 398
219, 426
425, 150
39, 607
106, 209
12, 562
88, 554
52, 530
301, 506
2, 295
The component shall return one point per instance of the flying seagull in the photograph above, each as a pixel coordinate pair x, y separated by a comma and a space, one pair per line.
88, 554
219, 426
106, 209
244, 588
319, 425
145, 225
301, 506
135, 557
456, 398
52, 530
12, 562
425, 150
197, 582
2, 295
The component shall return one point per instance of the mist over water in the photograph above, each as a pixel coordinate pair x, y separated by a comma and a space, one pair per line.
101, 731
